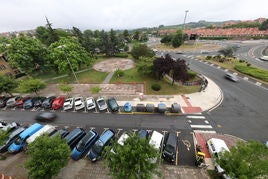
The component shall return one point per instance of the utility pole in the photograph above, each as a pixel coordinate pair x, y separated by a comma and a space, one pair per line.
184, 23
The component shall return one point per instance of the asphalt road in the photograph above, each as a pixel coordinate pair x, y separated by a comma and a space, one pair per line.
244, 111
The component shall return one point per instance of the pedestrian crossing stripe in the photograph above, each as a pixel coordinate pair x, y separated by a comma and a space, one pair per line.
204, 131
196, 117
201, 126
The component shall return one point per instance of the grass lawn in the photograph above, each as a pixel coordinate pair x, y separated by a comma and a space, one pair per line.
91, 76
132, 75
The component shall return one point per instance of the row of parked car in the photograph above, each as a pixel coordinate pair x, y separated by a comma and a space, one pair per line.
89, 144
55, 103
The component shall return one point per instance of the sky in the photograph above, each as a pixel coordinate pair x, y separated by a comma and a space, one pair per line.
18, 15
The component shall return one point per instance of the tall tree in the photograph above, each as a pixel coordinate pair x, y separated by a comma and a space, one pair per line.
246, 160
133, 159
7, 84
31, 85
136, 35
52, 35
26, 53
67, 54
179, 71
126, 35
47, 155
177, 39
264, 25
141, 50
163, 65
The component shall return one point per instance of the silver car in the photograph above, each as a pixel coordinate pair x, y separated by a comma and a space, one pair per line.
90, 103
101, 103
11, 102
231, 77
68, 104
79, 103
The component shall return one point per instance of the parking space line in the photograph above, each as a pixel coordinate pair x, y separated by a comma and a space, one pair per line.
117, 134
135, 130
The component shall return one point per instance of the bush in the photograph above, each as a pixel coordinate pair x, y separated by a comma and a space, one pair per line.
119, 73
141, 50
248, 64
241, 61
208, 57
121, 55
95, 89
156, 87
191, 74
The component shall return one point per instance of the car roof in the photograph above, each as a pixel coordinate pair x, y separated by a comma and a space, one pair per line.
106, 135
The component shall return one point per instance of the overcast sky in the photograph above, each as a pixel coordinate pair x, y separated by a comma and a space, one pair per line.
18, 15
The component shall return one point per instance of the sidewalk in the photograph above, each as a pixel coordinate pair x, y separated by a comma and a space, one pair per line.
134, 93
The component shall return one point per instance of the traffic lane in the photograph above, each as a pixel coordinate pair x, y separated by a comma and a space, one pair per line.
101, 119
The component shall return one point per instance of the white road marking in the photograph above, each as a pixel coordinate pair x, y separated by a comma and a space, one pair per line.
206, 121
196, 117
201, 126
245, 78
258, 83
226, 70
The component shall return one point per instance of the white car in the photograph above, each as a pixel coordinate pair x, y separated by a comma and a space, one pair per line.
79, 103
90, 103
101, 103
68, 104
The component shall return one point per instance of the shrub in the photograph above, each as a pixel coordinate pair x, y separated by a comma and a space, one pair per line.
95, 89
119, 73
208, 57
191, 74
121, 55
156, 87
248, 64
241, 61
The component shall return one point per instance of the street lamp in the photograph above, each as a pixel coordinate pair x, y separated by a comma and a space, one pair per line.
184, 23
63, 47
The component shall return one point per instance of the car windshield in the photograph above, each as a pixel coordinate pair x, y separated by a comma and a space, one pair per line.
101, 102
113, 104
78, 99
81, 145
18, 141
169, 149
97, 148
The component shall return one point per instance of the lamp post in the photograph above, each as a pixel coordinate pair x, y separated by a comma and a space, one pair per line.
63, 47
184, 24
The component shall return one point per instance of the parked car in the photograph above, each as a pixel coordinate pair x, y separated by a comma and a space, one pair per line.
79, 103
47, 103
39, 100
101, 103
104, 140
113, 104
231, 77
29, 103
20, 101
90, 103
170, 147
68, 104
3, 101
46, 116
84, 145
11, 102
8, 126
58, 103
156, 141
61, 132
47, 129
121, 141
143, 134
12, 137
74, 137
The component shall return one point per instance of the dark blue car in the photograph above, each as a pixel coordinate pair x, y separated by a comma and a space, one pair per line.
97, 148
84, 145
29, 103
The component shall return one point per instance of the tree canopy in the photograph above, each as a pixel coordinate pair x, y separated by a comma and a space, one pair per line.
31, 85
47, 155
246, 160
26, 53
133, 159
141, 50
264, 25
7, 84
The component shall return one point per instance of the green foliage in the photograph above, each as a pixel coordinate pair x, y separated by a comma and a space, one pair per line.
177, 39
66, 88
119, 73
191, 74
67, 53
145, 66
121, 55
3, 44
26, 53
243, 25
166, 39
7, 84
246, 160
156, 87
264, 25
95, 89
3, 136
228, 52
253, 71
47, 155
31, 85
141, 50
208, 57
133, 160
214, 38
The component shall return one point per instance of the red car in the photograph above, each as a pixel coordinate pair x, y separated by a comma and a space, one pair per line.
20, 101
57, 103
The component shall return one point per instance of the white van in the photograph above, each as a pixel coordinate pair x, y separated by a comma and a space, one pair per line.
121, 140
155, 141
44, 130
215, 147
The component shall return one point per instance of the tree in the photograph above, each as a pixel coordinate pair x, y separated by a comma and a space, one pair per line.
145, 66
166, 39
264, 25
47, 155
245, 160
66, 54
126, 35
179, 71
136, 35
162, 66
3, 44
141, 50
177, 39
26, 53
66, 88
228, 51
31, 85
133, 160
4, 134
7, 84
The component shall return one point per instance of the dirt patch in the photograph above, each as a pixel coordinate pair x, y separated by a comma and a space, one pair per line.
113, 64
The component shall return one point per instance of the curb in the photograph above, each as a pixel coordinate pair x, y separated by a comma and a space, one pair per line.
218, 103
